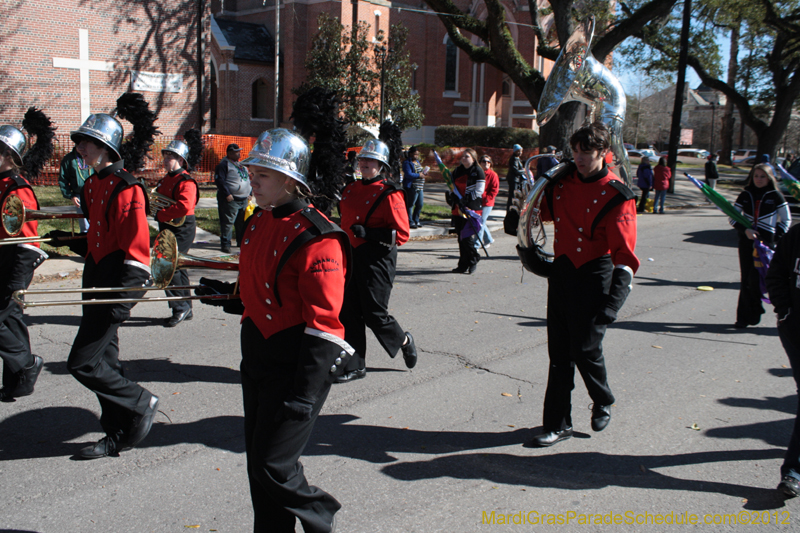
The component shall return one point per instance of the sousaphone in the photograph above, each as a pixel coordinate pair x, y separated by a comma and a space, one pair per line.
578, 77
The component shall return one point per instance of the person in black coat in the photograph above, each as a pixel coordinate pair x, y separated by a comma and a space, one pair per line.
783, 286
470, 181
765, 207
515, 175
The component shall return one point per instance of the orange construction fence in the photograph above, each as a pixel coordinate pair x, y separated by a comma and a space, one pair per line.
214, 150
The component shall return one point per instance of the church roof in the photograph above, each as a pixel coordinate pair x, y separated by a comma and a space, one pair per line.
253, 42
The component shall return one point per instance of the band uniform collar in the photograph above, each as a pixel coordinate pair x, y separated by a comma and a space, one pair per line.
602, 173
290, 207
8, 174
111, 169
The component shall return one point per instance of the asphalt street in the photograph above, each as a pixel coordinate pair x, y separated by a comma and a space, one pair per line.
702, 418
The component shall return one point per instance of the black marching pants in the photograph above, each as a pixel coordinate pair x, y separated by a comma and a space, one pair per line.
184, 234
278, 486
750, 308
15, 344
366, 302
574, 298
94, 359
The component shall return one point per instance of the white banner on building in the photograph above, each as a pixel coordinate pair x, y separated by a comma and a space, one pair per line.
156, 82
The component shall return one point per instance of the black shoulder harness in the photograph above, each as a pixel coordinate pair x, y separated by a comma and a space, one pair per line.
185, 176
126, 180
321, 226
623, 195
19, 183
390, 188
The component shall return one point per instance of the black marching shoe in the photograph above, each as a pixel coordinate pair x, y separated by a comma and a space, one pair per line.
141, 424
601, 416
459, 270
551, 437
105, 447
409, 351
23, 381
789, 486
177, 318
225, 249
351, 376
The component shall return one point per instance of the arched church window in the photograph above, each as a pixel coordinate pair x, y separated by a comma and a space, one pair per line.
260, 95
450, 65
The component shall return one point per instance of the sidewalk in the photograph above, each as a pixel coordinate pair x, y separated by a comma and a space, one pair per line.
206, 244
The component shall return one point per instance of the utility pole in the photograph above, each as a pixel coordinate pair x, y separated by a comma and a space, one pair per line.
200, 70
675, 130
277, 61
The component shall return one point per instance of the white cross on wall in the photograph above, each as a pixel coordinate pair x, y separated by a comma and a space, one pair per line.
84, 66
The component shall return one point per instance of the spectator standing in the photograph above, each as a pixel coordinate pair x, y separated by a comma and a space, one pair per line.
712, 175
73, 173
489, 194
644, 175
514, 174
233, 190
661, 176
414, 182
546, 163
470, 181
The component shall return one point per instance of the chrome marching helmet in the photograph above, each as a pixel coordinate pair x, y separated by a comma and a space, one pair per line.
180, 149
15, 140
281, 150
375, 149
576, 76
102, 127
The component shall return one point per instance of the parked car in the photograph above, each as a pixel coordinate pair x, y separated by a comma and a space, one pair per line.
740, 155
746, 162
651, 154
693, 152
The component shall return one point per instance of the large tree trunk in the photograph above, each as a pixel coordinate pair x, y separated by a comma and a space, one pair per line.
559, 129
726, 136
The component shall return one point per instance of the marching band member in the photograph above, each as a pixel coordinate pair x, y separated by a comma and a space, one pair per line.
291, 277
374, 215
591, 276
115, 203
179, 159
17, 262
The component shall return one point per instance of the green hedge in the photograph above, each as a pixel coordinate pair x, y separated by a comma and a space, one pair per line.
485, 136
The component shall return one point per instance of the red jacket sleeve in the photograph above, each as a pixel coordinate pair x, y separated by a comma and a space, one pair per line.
186, 200
621, 234
392, 213
133, 232
321, 266
492, 188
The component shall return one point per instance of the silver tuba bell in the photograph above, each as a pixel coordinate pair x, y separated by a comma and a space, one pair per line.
576, 76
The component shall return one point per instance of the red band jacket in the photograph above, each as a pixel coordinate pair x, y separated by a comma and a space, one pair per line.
181, 187
116, 206
308, 288
17, 263
578, 231
391, 214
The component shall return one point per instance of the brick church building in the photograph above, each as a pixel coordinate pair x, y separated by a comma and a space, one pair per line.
73, 57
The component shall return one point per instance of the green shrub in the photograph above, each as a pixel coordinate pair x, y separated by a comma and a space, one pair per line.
485, 136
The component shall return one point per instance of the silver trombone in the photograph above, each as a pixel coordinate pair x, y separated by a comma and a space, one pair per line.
165, 260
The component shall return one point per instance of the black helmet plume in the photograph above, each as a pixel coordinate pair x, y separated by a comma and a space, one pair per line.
38, 124
315, 114
135, 109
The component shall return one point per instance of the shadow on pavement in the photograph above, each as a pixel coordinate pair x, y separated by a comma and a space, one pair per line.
714, 237
165, 371
591, 471
46, 433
